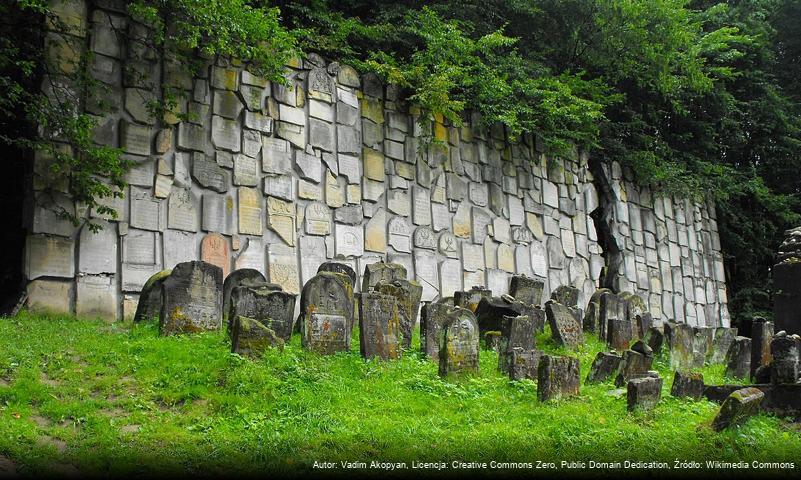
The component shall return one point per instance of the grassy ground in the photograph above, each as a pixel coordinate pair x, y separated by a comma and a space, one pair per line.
93, 397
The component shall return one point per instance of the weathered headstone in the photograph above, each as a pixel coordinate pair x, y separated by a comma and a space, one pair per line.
605, 366
432, 318
592, 315
491, 311
655, 339
557, 376
565, 324
471, 298
642, 323
274, 308
680, 341
326, 308
610, 308
761, 335
687, 385
458, 352
516, 332
787, 283
149, 306
525, 289
382, 272
566, 295
379, 326
619, 334
407, 295
703, 342
738, 407
643, 393
524, 364
191, 299
251, 338
738, 358
633, 364
339, 267
785, 350
243, 277
723, 339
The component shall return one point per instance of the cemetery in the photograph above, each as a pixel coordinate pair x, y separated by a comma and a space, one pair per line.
312, 273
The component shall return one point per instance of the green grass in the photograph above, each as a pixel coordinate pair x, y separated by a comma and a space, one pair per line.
115, 399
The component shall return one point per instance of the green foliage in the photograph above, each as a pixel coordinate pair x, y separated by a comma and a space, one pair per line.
120, 400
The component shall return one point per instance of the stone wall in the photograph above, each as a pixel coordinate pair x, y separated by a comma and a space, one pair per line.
334, 165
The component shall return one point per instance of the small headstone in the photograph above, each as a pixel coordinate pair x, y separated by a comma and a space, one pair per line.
458, 352
149, 306
566, 295
249, 277
643, 323
761, 336
619, 333
492, 341
326, 309
524, 364
643, 393
723, 340
738, 407
565, 325
516, 332
605, 366
339, 267
407, 295
784, 367
263, 303
687, 385
191, 299
432, 318
491, 311
525, 289
471, 298
655, 339
738, 358
633, 364
250, 338
379, 326
557, 376
382, 272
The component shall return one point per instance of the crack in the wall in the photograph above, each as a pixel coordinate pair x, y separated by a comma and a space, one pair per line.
610, 251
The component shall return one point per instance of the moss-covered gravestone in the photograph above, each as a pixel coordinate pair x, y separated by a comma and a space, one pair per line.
643, 393
458, 352
605, 366
379, 326
738, 407
634, 363
432, 319
149, 306
738, 358
724, 337
784, 367
516, 332
250, 337
565, 324
592, 315
525, 289
557, 377
524, 364
470, 299
382, 272
566, 295
191, 299
407, 295
326, 309
249, 277
619, 334
273, 308
339, 267
687, 385
680, 342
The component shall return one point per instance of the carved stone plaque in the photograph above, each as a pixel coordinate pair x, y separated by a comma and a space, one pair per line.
317, 219
281, 219
424, 237
250, 211
282, 267
400, 235
214, 250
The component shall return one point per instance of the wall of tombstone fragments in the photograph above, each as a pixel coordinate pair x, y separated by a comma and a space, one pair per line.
336, 165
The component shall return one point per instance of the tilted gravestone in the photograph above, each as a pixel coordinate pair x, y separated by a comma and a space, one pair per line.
566, 295
339, 267
738, 358
407, 295
382, 272
761, 336
643, 323
523, 364
655, 339
491, 311
458, 351
785, 350
326, 309
250, 337
470, 299
191, 299
525, 289
432, 318
738, 407
243, 277
687, 385
565, 324
634, 363
723, 339
516, 332
680, 342
634, 307
619, 334
379, 326
557, 376
149, 306
273, 308
643, 393
605, 366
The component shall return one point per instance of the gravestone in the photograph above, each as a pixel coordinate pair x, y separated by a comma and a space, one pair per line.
407, 295
687, 385
491, 311
382, 272
703, 342
432, 318
379, 326
471, 298
605, 366
191, 299
723, 340
149, 306
787, 283
566, 295
243, 277
761, 336
274, 308
592, 316
339, 267
557, 377
680, 342
458, 351
633, 364
738, 358
610, 308
250, 337
619, 334
516, 332
655, 339
525, 289
565, 324
214, 250
643, 324
523, 364
784, 350
326, 308
643, 393
738, 407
